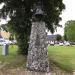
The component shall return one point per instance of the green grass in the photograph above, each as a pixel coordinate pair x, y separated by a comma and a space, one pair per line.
63, 56
12, 59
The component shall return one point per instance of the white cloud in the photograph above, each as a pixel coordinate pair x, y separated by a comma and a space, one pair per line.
67, 14
1, 5
2, 21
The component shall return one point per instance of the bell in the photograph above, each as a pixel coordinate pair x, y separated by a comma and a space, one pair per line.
39, 12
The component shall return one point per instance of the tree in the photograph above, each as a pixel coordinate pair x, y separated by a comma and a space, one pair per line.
65, 37
58, 37
70, 30
21, 13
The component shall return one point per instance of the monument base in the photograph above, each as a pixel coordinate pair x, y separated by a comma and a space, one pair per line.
37, 54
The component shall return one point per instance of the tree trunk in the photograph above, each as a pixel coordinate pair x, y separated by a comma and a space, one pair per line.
37, 54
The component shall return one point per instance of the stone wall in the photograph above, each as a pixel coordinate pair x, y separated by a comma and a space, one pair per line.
38, 54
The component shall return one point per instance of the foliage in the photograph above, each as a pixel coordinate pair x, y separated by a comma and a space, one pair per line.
70, 30
58, 37
65, 37
21, 14
3, 27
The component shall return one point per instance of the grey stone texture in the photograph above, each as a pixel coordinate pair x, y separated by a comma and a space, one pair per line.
37, 59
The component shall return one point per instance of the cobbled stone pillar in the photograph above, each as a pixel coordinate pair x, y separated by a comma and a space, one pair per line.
38, 55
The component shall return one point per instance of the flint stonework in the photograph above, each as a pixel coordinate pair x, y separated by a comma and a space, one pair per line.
37, 54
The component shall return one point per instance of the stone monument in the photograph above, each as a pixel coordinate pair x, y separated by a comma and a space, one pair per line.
37, 59
5, 49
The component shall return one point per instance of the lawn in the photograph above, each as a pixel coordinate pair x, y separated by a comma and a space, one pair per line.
62, 56
12, 59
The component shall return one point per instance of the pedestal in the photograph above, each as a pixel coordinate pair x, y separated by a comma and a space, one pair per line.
5, 49
37, 54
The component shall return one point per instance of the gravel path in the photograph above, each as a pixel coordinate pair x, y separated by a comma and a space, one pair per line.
22, 71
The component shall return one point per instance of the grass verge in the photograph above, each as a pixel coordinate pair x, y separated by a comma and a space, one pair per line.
12, 60
63, 56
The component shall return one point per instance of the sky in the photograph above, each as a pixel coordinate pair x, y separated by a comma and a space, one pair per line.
1, 20
67, 14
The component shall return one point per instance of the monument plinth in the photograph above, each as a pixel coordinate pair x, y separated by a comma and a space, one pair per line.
37, 54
